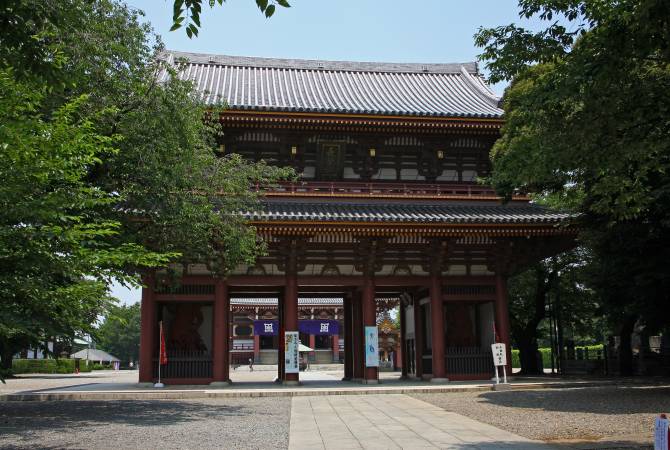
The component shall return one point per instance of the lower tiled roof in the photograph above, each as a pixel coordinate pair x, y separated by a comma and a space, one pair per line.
406, 213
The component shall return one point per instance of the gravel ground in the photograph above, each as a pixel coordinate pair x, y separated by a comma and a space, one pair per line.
613, 413
250, 423
34, 381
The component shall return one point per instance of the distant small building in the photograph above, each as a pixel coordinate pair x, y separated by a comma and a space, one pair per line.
97, 355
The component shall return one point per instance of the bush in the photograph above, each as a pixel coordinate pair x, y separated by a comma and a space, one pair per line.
546, 354
60, 365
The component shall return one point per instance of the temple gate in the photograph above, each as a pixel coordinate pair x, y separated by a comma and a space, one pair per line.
387, 209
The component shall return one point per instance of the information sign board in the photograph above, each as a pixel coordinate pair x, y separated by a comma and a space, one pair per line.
371, 347
499, 354
291, 355
661, 433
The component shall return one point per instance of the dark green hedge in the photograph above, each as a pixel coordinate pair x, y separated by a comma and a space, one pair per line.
546, 354
47, 366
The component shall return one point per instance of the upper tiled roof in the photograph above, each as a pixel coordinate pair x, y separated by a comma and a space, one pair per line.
403, 213
267, 84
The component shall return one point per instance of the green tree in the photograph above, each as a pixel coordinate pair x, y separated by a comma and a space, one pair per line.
55, 254
109, 166
186, 13
559, 281
119, 333
587, 119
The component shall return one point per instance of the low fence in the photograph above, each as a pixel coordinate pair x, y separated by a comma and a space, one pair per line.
468, 361
185, 364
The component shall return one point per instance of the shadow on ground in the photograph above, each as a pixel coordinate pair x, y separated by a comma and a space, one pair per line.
595, 400
66, 416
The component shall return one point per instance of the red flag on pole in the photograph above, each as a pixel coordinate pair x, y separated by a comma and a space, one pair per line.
163, 353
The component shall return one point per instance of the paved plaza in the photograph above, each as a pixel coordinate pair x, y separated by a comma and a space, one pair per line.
113, 411
393, 421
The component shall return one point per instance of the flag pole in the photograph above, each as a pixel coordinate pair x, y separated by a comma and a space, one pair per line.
161, 351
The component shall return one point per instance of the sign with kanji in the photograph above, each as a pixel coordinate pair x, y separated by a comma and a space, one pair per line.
661, 433
371, 347
499, 354
291, 352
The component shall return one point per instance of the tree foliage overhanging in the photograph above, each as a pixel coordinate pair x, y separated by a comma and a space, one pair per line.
186, 13
106, 170
587, 124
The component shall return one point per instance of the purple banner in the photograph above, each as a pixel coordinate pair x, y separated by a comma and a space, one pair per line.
316, 327
266, 327
319, 327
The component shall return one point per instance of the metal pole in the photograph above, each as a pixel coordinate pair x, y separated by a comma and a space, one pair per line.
551, 332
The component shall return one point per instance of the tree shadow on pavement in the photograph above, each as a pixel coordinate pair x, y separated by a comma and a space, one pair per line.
596, 400
65, 416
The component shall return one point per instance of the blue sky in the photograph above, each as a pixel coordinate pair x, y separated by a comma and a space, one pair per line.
431, 31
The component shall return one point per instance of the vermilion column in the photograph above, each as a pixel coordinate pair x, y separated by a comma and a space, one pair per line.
418, 339
401, 348
280, 337
336, 347
358, 353
437, 322
502, 318
147, 330
369, 320
348, 339
291, 315
257, 348
312, 345
220, 344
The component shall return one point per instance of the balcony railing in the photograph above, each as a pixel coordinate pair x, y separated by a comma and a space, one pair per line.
381, 189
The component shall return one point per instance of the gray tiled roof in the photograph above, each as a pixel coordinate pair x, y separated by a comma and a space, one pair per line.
266, 84
414, 213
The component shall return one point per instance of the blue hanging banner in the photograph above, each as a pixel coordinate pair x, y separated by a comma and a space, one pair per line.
319, 327
266, 327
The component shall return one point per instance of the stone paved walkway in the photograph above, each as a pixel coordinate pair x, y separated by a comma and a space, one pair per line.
391, 422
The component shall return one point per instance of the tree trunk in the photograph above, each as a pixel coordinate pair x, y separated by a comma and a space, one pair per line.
6, 354
527, 343
625, 348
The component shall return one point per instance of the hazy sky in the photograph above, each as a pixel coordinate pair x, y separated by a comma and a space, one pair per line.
431, 31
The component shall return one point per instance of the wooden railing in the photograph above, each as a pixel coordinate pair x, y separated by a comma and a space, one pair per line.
242, 347
185, 364
468, 361
381, 189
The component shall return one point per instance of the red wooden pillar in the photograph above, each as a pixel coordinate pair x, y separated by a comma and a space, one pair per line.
280, 337
369, 320
402, 360
291, 315
257, 348
437, 322
148, 329
502, 318
220, 361
418, 339
348, 338
358, 353
336, 347
312, 345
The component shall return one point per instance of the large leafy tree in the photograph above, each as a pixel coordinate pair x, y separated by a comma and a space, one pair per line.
107, 168
55, 249
552, 287
587, 121
119, 333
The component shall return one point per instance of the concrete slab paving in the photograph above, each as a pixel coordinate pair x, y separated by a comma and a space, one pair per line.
391, 421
